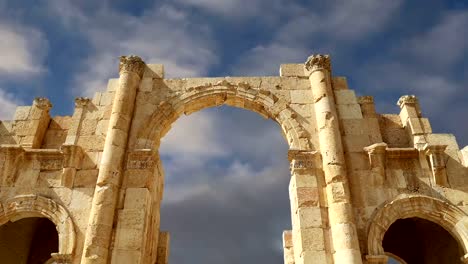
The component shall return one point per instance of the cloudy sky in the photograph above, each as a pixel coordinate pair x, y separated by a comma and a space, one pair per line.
226, 198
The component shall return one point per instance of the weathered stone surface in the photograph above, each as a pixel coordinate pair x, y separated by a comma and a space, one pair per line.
97, 175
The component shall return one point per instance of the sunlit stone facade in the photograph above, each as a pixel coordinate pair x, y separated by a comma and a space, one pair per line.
359, 179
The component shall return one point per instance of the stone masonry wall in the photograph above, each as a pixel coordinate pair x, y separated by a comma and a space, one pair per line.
97, 174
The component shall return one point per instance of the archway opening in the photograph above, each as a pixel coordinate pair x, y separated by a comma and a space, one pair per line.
226, 188
28, 240
419, 241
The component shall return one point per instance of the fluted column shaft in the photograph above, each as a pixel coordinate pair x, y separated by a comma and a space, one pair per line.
342, 226
101, 218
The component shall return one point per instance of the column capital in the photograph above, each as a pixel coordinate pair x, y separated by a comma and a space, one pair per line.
407, 99
42, 103
318, 62
81, 102
132, 64
367, 99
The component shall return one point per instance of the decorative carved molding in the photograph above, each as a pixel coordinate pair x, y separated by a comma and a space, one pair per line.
318, 62
141, 159
10, 158
402, 153
82, 102
448, 216
61, 258
304, 159
42, 103
366, 99
24, 206
132, 64
407, 99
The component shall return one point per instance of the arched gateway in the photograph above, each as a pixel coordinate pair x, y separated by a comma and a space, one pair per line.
347, 161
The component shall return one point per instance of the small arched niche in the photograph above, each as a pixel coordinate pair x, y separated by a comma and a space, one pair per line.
29, 240
24, 217
420, 241
409, 221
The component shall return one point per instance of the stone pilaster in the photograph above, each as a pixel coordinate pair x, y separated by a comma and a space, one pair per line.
308, 214
437, 159
32, 130
377, 158
342, 226
101, 219
81, 103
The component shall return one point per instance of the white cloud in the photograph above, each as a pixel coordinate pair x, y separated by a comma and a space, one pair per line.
327, 29
163, 34
22, 50
8, 105
443, 45
194, 135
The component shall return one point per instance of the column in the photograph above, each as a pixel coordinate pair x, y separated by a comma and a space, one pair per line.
342, 227
101, 218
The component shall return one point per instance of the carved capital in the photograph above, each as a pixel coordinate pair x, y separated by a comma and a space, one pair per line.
61, 258
366, 99
303, 159
318, 62
407, 99
132, 64
82, 102
42, 103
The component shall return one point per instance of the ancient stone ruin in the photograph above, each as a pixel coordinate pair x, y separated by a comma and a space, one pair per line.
365, 187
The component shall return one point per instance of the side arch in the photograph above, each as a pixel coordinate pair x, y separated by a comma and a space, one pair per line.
240, 95
25, 206
451, 218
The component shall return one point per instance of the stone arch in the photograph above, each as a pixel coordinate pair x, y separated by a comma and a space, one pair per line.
25, 206
451, 218
240, 95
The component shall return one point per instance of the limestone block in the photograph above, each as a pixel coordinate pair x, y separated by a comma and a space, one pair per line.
349, 111
137, 178
310, 217
292, 70
85, 178
339, 83
154, 71
354, 126
49, 179
112, 85
308, 239
106, 98
313, 256
355, 143
443, 139
464, 152
101, 127
299, 180
146, 85
163, 248
345, 97
91, 143
121, 256
303, 110
22, 112
373, 130
88, 127
307, 197
136, 198
302, 97
287, 239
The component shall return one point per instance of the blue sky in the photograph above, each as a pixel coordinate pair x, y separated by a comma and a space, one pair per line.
63, 49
